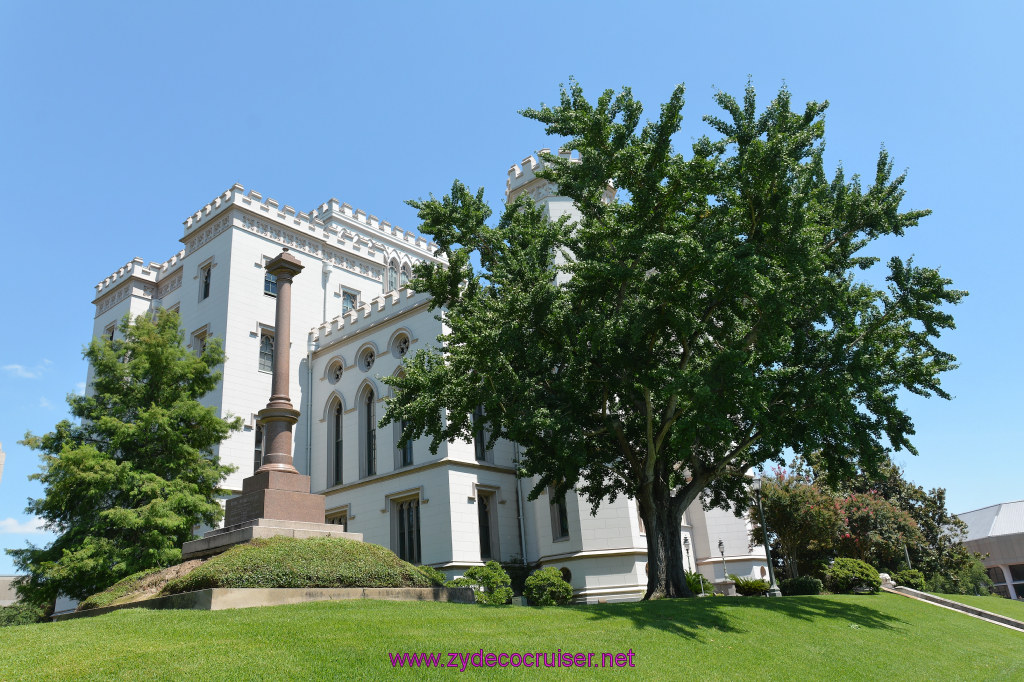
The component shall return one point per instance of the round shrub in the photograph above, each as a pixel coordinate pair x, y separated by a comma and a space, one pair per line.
804, 584
547, 587
849, 575
291, 562
21, 613
749, 587
490, 583
911, 577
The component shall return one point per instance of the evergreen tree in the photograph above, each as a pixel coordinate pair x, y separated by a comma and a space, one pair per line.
126, 486
712, 317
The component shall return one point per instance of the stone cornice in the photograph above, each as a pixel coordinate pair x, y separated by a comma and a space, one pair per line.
329, 221
366, 318
370, 480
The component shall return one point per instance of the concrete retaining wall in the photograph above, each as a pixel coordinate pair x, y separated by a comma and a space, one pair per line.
218, 598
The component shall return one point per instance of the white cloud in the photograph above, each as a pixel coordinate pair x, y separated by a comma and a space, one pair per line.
21, 371
80, 388
43, 402
33, 526
28, 372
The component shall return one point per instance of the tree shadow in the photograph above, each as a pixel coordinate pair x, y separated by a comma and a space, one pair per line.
691, 617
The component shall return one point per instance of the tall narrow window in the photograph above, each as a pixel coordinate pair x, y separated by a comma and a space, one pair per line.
405, 277
337, 444
257, 453
405, 452
481, 434
205, 279
484, 516
559, 517
270, 284
370, 436
392, 276
266, 351
406, 525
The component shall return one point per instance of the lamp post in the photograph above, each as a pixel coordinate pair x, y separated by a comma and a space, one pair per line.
721, 550
773, 590
686, 544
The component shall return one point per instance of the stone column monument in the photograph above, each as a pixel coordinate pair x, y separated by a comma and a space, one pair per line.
276, 499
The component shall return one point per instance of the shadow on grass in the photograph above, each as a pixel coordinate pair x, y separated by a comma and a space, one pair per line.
690, 617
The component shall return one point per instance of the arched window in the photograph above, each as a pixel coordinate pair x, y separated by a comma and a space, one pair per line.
406, 275
336, 442
481, 434
266, 351
393, 276
369, 433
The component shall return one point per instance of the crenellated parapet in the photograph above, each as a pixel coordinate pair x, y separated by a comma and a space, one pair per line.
369, 313
331, 219
522, 177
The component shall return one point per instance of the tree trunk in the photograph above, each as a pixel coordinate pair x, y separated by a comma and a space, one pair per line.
665, 568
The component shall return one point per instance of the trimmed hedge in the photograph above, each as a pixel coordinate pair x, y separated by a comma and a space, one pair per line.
804, 584
547, 587
436, 577
848, 575
121, 588
312, 562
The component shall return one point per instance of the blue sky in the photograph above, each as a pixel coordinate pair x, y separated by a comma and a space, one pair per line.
119, 120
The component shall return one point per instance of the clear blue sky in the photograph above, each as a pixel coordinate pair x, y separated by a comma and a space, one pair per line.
118, 120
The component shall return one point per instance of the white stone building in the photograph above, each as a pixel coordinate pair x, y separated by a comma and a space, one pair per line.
998, 533
353, 321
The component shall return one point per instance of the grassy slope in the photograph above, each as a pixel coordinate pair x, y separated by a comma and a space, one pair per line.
1004, 607
822, 638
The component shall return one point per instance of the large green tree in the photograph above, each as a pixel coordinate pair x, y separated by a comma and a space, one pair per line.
708, 319
125, 486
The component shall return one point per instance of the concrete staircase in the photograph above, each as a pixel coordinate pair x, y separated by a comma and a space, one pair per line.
973, 611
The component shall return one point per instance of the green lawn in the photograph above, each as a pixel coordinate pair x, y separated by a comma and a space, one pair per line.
1004, 607
878, 637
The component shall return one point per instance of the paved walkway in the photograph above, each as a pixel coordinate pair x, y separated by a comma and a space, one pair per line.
972, 611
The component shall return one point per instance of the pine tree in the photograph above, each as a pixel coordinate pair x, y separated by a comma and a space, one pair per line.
126, 486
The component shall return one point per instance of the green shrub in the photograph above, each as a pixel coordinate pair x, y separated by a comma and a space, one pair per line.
848, 575
910, 577
490, 583
436, 577
21, 613
290, 562
969, 579
121, 588
696, 581
518, 570
547, 587
803, 584
749, 587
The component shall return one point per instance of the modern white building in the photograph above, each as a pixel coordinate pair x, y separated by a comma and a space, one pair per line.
353, 322
998, 532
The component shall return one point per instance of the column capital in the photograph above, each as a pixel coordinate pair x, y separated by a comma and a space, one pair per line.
284, 265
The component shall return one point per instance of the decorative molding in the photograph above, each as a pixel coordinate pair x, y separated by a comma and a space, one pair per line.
170, 285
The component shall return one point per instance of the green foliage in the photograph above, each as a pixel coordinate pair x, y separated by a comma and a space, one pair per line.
518, 571
970, 578
124, 488
911, 577
312, 562
848, 575
436, 577
490, 583
547, 587
749, 587
698, 584
733, 322
117, 591
801, 585
21, 613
